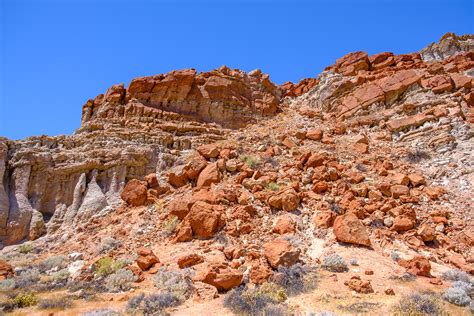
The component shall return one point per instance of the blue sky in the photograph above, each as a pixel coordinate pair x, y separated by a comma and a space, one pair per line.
54, 55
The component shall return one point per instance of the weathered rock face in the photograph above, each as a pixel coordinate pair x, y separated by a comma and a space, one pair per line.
449, 45
228, 97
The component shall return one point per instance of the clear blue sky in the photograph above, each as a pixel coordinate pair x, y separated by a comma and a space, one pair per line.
57, 54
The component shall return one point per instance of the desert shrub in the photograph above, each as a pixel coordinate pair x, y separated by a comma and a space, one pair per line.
27, 278
354, 262
174, 282
107, 265
419, 305
109, 244
59, 262
25, 300
101, 312
334, 263
467, 287
273, 186
120, 280
395, 256
296, 279
7, 285
457, 275
251, 161
170, 224
272, 290
54, 281
334, 207
456, 296
25, 248
417, 156
276, 310
55, 303
154, 304
247, 301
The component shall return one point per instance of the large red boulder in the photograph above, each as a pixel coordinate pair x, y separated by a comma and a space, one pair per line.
205, 219
209, 175
146, 258
280, 252
349, 229
220, 276
135, 193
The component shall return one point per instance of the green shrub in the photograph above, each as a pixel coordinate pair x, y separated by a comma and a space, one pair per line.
107, 265
251, 161
456, 296
25, 248
7, 285
25, 300
273, 186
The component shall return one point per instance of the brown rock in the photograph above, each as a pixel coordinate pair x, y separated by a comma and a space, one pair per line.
416, 179
6, 270
177, 176
286, 199
389, 291
400, 179
403, 223
220, 276
358, 285
426, 232
146, 258
209, 151
399, 190
281, 252
205, 219
284, 225
152, 181
349, 229
351, 63
325, 219
180, 206
314, 134
204, 292
184, 232
135, 193
418, 265
189, 260
209, 175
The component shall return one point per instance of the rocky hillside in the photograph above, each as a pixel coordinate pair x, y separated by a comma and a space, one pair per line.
345, 193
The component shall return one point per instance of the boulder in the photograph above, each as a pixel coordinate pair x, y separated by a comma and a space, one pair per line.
6, 270
349, 229
284, 225
205, 219
209, 175
189, 260
146, 258
209, 151
286, 199
280, 252
135, 193
314, 134
418, 265
220, 276
359, 286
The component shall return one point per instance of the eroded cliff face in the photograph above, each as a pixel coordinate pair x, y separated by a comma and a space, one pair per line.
58, 184
50, 183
